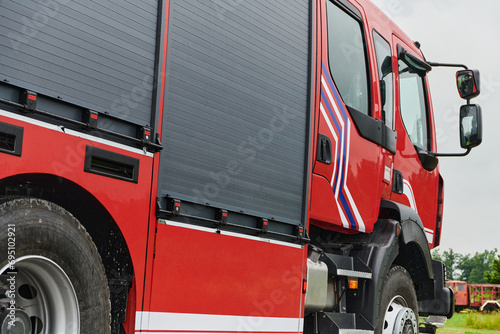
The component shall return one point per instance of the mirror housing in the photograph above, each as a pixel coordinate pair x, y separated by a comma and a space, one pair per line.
415, 64
471, 126
428, 159
468, 84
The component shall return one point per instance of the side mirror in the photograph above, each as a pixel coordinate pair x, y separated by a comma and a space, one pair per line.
468, 84
471, 130
471, 126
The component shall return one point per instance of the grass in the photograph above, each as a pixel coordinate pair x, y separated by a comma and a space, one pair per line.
472, 323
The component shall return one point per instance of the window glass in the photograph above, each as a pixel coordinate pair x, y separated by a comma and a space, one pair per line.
413, 106
384, 64
347, 58
460, 287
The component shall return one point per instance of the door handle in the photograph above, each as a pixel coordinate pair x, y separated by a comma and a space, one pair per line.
324, 153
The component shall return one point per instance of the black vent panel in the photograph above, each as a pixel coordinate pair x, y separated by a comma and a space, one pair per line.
11, 139
111, 164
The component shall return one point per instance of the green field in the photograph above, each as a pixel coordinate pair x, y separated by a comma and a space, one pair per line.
472, 323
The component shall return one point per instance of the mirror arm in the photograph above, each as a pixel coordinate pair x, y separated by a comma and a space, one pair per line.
451, 154
433, 64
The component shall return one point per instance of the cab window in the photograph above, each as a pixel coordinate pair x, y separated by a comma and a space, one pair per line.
413, 106
347, 58
384, 65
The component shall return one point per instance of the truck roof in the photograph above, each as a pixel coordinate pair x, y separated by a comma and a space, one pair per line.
384, 25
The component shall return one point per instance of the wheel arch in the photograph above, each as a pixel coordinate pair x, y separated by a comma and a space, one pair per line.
414, 252
414, 255
398, 240
96, 219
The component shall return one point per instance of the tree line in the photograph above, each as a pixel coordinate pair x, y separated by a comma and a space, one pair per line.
472, 268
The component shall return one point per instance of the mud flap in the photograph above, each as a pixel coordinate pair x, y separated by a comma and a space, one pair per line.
444, 300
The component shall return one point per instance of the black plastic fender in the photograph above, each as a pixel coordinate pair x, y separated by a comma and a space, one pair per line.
428, 275
399, 240
412, 231
378, 254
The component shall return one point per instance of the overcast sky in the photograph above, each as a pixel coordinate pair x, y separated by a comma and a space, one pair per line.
468, 32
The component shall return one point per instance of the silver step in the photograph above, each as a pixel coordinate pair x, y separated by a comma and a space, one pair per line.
437, 321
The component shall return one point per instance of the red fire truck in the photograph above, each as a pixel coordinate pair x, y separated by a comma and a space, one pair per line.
483, 297
183, 166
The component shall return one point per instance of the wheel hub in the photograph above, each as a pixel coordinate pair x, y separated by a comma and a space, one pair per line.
15, 321
399, 318
45, 300
405, 322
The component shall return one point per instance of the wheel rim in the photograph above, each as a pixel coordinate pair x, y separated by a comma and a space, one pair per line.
399, 318
45, 294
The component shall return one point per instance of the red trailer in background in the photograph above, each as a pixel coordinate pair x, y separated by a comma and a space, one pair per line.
483, 297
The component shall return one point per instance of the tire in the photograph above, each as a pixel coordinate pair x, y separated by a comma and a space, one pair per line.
60, 282
398, 311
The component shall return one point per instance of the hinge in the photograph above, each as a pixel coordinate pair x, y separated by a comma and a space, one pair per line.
174, 206
28, 99
263, 224
221, 216
154, 243
91, 117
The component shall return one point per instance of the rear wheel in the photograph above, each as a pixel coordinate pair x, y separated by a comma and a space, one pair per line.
398, 307
53, 278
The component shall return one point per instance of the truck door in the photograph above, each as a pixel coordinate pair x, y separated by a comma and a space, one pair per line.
349, 172
415, 168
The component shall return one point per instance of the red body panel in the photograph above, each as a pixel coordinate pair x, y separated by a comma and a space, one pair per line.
206, 279
50, 150
231, 274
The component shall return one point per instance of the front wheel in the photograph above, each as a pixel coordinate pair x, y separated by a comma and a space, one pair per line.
398, 308
51, 276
